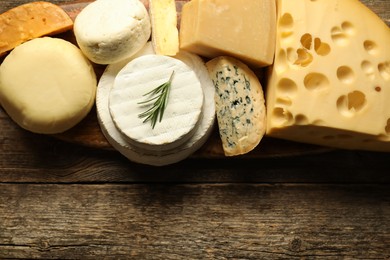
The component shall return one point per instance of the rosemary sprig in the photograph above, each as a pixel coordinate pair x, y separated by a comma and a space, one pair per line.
160, 97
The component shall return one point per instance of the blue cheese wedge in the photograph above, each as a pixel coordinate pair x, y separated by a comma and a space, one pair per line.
240, 105
184, 103
149, 156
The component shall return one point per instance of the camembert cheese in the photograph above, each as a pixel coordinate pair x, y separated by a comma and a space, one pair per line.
330, 84
245, 30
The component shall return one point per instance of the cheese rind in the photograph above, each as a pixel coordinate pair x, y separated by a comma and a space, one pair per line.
240, 105
328, 85
108, 33
182, 112
47, 85
230, 27
165, 35
30, 21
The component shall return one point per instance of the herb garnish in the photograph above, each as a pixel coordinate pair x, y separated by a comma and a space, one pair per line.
160, 97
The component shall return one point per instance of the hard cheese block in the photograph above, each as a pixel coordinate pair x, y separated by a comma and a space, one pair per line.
239, 105
245, 30
29, 21
165, 35
330, 84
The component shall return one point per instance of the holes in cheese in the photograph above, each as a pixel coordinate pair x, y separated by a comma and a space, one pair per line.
29, 21
47, 85
339, 67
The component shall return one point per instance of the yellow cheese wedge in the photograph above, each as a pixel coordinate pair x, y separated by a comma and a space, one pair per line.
165, 35
29, 21
245, 30
330, 84
47, 85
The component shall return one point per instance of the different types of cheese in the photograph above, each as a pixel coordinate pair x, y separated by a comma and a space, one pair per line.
108, 33
245, 30
29, 21
47, 85
165, 35
150, 156
182, 112
330, 84
240, 105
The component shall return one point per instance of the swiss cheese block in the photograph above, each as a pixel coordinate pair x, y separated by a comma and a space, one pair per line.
109, 32
240, 105
29, 21
330, 84
165, 35
47, 85
148, 156
184, 102
245, 30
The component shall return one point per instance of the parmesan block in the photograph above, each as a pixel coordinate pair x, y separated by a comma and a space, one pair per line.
29, 21
109, 32
182, 112
165, 35
245, 30
47, 85
149, 156
240, 105
330, 84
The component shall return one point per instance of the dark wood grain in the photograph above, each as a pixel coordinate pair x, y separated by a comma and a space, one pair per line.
195, 221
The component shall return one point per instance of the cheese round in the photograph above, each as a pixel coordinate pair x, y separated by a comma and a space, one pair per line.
182, 112
108, 33
47, 85
150, 157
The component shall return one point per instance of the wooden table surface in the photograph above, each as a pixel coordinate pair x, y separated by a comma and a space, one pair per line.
64, 201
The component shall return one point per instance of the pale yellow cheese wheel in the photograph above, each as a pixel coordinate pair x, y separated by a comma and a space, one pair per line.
47, 86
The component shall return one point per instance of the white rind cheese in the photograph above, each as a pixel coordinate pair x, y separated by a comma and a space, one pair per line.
330, 84
109, 32
47, 85
182, 112
156, 158
240, 105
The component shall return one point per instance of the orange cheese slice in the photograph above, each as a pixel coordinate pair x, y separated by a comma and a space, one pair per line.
29, 21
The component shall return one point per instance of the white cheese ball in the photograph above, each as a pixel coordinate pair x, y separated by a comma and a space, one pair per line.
47, 85
109, 31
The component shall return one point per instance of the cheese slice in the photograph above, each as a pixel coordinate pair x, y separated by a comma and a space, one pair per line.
184, 103
245, 30
330, 84
30, 21
47, 85
108, 33
240, 105
165, 35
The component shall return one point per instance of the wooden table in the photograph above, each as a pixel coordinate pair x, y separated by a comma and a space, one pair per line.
61, 200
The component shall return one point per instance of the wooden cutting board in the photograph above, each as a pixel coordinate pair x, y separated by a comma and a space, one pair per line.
88, 132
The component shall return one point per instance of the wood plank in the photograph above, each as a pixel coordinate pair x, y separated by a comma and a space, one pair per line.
195, 221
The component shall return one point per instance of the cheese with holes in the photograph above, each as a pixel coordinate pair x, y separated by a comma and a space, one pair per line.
245, 30
47, 85
330, 84
152, 156
108, 33
183, 108
165, 35
240, 105
29, 21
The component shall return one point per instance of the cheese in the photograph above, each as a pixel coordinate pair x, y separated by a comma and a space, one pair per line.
29, 21
47, 85
183, 110
246, 31
108, 33
165, 35
149, 157
240, 105
330, 84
